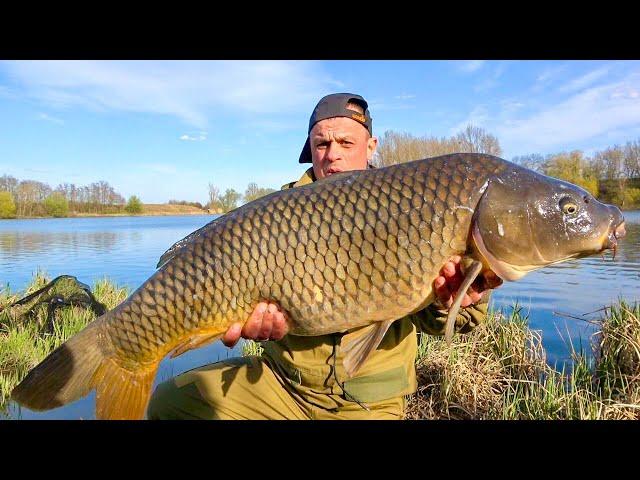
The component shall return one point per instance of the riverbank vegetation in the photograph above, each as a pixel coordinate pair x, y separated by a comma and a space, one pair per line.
612, 175
134, 205
498, 371
32, 199
25, 341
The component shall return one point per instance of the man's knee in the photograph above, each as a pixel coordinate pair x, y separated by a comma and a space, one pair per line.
159, 404
173, 402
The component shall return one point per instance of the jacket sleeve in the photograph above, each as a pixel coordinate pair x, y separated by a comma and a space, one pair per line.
433, 321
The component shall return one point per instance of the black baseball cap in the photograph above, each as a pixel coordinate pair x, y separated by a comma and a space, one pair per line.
335, 105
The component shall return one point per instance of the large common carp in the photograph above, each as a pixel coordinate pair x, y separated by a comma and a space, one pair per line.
358, 249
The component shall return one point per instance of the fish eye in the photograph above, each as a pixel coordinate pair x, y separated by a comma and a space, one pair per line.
568, 206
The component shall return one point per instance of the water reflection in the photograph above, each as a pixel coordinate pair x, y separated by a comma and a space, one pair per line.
554, 296
126, 249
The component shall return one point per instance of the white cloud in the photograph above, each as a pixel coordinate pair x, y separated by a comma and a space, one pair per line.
49, 118
193, 91
478, 117
584, 115
585, 80
405, 96
471, 66
194, 137
548, 75
491, 81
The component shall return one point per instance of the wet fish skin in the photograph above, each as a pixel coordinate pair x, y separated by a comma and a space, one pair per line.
355, 249
332, 254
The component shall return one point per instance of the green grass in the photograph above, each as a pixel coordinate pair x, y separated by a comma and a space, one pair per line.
498, 371
24, 342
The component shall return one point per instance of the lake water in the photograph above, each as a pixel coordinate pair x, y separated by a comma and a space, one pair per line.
126, 250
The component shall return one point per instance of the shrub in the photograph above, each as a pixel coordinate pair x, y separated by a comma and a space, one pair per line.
7, 205
631, 197
56, 205
134, 205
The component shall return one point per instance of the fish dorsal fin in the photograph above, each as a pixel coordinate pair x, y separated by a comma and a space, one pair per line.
359, 345
181, 244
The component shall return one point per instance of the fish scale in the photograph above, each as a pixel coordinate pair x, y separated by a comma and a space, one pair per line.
357, 249
351, 241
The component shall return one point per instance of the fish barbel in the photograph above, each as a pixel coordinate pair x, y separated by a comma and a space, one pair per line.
357, 249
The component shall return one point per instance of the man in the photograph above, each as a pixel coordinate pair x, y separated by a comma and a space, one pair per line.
303, 377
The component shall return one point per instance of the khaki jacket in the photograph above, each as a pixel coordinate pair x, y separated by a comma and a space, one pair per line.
313, 365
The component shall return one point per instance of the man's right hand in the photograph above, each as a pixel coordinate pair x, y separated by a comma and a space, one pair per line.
267, 322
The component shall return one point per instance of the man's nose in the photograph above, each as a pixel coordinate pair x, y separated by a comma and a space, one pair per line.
333, 152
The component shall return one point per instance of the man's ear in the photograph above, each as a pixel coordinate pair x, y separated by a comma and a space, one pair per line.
372, 144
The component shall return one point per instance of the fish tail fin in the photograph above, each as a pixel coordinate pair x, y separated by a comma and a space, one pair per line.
122, 393
65, 375
78, 366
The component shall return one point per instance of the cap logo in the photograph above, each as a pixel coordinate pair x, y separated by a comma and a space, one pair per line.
359, 117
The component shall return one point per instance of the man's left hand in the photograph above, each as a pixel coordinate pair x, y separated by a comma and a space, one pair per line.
447, 284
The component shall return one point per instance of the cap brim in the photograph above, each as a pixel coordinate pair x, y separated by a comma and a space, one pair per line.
305, 155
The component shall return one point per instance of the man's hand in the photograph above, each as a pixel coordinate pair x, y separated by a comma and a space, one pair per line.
267, 322
447, 284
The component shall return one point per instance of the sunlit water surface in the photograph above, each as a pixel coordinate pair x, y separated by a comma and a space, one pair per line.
126, 250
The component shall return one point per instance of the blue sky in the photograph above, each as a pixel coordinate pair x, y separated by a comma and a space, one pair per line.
164, 130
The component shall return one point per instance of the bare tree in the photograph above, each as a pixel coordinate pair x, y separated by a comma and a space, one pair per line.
533, 161
214, 196
28, 194
632, 159
8, 183
477, 140
612, 161
396, 147
253, 192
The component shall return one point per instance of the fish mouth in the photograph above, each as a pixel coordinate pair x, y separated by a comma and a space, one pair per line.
611, 239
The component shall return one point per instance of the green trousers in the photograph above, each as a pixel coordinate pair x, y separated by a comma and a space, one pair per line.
247, 388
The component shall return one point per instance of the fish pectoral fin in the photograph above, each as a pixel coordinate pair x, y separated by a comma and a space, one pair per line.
471, 272
195, 341
359, 345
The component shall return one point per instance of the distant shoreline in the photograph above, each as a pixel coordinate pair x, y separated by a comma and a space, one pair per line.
149, 210
89, 215
168, 214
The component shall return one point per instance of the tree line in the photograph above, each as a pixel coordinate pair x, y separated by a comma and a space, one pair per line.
230, 199
30, 198
611, 175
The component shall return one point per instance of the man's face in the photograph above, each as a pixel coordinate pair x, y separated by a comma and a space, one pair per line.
340, 144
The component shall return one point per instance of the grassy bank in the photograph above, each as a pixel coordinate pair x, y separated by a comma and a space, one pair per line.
155, 209
498, 371
149, 210
24, 342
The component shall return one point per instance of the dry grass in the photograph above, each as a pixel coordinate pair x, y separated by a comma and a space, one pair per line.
152, 209
499, 371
